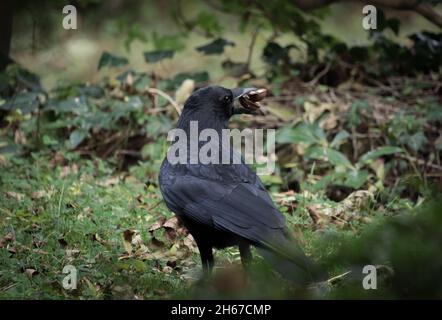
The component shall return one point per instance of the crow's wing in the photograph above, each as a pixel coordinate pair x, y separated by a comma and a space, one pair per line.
243, 208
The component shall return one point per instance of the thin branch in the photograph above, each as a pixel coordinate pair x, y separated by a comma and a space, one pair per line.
429, 13
420, 162
320, 75
167, 97
251, 47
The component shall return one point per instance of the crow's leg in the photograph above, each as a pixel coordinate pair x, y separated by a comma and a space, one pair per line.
246, 254
206, 257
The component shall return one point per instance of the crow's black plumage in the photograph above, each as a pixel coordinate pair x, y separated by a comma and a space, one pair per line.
226, 204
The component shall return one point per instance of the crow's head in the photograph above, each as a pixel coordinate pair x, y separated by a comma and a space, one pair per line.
214, 100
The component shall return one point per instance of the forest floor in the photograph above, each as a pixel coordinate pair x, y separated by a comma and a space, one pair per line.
67, 200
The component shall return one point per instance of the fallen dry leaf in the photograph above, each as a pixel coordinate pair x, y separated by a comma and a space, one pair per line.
68, 170
19, 137
57, 160
40, 194
171, 223
158, 224
127, 240
38, 243
30, 272
9, 237
167, 269
17, 196
109, 182
343, 212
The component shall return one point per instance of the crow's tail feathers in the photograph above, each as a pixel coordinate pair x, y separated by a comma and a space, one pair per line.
287, 257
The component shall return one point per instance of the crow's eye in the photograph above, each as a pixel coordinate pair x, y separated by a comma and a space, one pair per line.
226, 98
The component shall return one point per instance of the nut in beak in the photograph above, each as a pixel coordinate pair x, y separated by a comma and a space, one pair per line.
250, 100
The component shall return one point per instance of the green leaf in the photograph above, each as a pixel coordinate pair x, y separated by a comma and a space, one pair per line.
29, 80
301, 133
273, 53
215, 47
26, 102
337, 158
208, 22
48, 141
142, 82
356, 178
158, 125
158, 55
355, 114
323, 183
326, 154
76, 137
110, 60
379, 152
417, 141
307, 133
284, 135
339, 138
199, 77
76, 105
168, 42
134, 32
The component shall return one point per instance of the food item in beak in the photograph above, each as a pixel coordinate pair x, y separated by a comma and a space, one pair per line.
250, 100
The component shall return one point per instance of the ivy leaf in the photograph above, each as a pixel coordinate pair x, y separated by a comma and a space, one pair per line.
208, 22
158, 55
110, 60
26, 102
273, 53
29, 80
76, 105
417, 141
215, 47
48, 141
198, 77
168, 42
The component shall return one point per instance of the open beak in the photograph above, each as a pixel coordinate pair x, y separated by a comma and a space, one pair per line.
239, 92
249, 99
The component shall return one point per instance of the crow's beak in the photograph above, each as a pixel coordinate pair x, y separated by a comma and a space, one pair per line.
239, 92
248, 99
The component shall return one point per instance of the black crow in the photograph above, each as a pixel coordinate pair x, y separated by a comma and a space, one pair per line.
226, 205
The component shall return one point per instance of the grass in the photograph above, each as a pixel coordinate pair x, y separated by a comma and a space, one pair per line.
79, 218
82, 213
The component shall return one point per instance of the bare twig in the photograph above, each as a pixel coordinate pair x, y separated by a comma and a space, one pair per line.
165, 96
338, 278
412, 159
251, 47
320, 75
